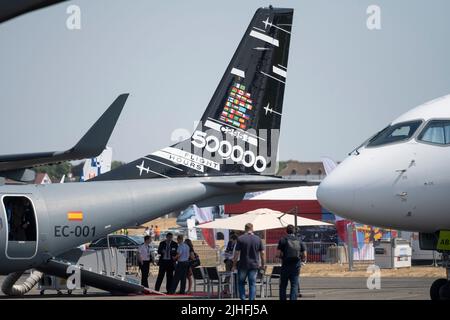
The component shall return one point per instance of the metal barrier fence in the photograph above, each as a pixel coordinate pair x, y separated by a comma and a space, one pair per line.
318, 252
131, 256
208, 257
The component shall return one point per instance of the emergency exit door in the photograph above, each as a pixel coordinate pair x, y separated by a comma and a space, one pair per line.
21, 227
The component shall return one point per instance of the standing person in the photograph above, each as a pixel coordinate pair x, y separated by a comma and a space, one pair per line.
9, 210
193, 263
250, 251
157, 233
182, 267
152, 232
229, 255
292, 252
146, 231
167, 250
144, 258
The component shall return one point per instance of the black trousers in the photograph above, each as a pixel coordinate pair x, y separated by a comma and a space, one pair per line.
166, 268
290, 272
181, 271
145, 268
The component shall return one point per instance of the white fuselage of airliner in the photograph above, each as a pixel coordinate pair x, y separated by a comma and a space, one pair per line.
400, 178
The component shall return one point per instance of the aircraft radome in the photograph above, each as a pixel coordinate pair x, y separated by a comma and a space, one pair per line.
397, 179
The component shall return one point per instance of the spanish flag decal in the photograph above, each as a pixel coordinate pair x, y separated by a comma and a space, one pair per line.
75, 216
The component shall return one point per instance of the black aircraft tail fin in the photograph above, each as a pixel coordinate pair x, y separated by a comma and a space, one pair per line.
238, 133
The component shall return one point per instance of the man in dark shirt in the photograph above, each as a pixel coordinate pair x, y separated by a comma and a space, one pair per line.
250, 251
292, 252
167, 250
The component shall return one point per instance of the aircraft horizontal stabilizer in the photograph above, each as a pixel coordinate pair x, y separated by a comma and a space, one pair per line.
261, 184
11, 9
94, 141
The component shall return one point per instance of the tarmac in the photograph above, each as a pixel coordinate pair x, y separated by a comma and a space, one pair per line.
312, 288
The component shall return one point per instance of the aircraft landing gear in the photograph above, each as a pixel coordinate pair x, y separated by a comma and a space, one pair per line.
440, 289
436, 288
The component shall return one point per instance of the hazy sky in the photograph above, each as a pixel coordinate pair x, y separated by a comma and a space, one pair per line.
344, 82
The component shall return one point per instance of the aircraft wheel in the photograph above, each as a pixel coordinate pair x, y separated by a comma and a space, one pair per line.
435, 288
444, 291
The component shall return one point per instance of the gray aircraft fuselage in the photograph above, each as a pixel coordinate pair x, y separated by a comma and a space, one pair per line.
104, 206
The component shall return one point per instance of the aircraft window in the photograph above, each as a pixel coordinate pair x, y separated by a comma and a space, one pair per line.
21, 219
437, 131
395, 133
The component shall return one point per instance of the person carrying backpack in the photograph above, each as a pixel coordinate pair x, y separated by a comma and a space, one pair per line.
292, 253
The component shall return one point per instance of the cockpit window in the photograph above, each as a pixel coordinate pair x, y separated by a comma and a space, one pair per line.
436, 131
395, 133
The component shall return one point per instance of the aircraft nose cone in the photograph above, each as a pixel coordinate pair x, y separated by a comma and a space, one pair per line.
336, 193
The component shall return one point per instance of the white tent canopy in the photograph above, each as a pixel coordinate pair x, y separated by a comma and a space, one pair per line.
262, 219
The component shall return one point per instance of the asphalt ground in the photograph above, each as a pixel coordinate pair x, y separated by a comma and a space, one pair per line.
312, 288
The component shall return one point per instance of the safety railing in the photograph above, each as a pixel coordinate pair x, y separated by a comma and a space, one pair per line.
131, 256
317, 252
208, 257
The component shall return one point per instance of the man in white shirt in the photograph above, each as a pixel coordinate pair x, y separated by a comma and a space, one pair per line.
144, 259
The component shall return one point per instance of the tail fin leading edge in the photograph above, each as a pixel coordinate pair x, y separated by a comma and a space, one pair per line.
238, 133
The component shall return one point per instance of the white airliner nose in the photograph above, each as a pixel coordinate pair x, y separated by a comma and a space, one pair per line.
336, 192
